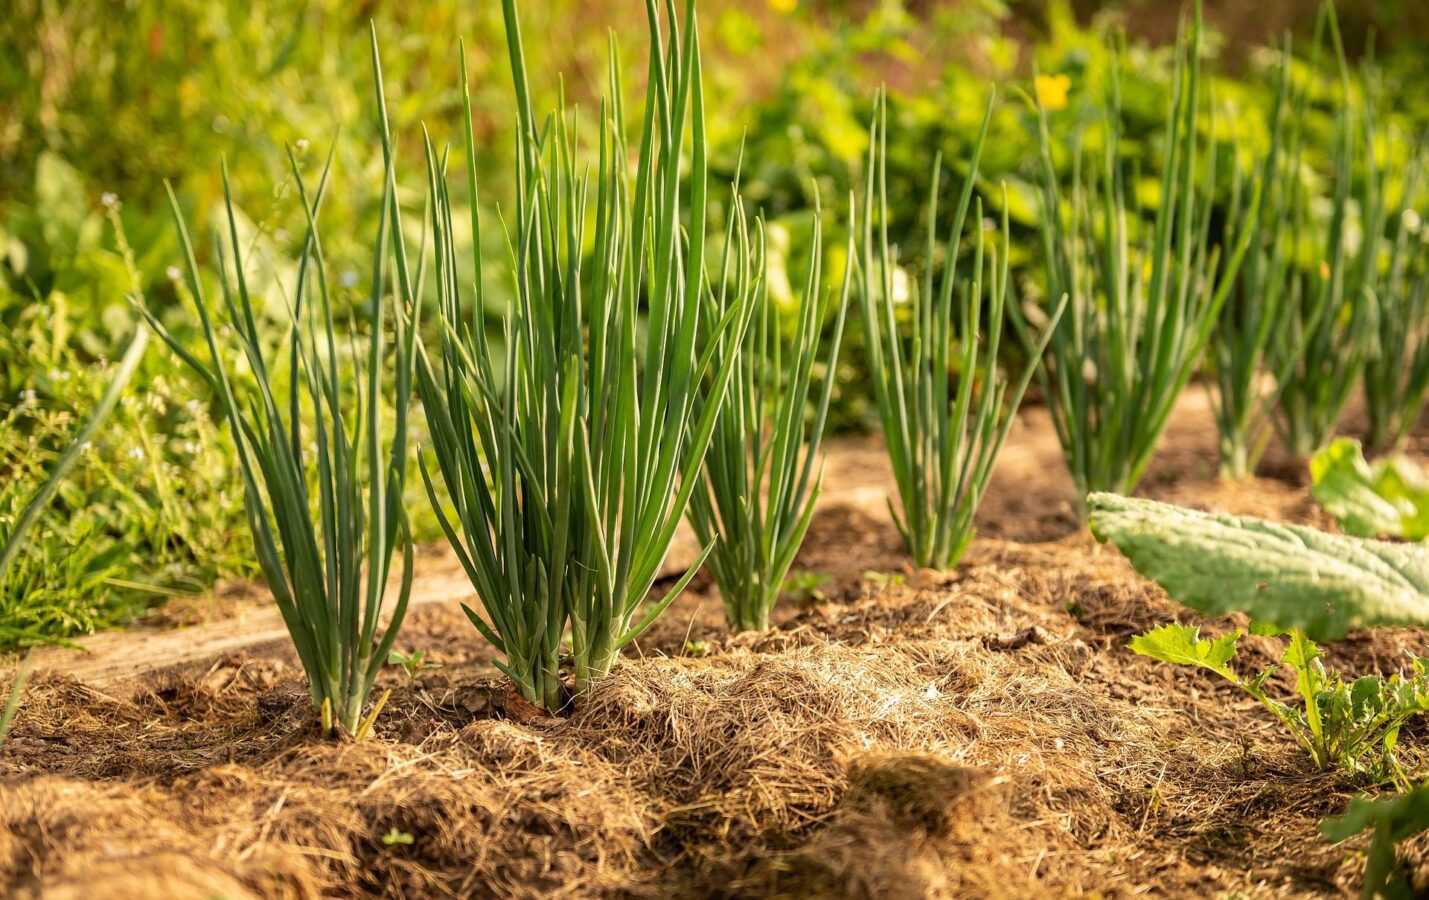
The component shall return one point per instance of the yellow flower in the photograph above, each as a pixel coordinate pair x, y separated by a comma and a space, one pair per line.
783, 6
1052, 91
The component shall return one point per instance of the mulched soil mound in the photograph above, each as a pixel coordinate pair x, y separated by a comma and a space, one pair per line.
980, 733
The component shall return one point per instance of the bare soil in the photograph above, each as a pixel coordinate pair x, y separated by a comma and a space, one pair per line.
980, 733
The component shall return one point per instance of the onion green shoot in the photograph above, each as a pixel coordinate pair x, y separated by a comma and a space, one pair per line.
759, 479
570, 471
324, 499
1331, 331
943, 436
1144, 296
1396, 377
1255, 318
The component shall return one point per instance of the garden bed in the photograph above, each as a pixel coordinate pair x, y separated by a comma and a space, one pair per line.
981, 733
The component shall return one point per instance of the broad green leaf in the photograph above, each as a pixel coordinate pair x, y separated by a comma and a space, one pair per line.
1388, 499
1293, 576
1405, 484
1182, 644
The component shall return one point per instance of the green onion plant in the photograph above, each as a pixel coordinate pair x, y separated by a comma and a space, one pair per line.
943, 433
1396, 377
1332, 328
1256, 317
324, 498
571, 461
760, 481
1144, 295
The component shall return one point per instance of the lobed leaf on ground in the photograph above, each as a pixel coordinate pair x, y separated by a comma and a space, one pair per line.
1183, 645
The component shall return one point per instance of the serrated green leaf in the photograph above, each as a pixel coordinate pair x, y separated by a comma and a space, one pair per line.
1296, 577
1299, 654
1387, 499
1182, 644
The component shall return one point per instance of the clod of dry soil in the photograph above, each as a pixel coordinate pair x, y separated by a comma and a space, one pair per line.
981, 733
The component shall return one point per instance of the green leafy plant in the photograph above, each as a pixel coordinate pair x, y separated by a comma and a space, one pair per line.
13, 539
1143, 300
1352, 726
1390, 821
570, 475
411, 663
943, 435
1387, 499
324, 542
1314, 586
805, 586
759, 480
397, 836
882, 580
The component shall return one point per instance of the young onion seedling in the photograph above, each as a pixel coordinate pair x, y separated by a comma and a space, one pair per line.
1144, 296
943, 436
759, 477
324, 505
571, 463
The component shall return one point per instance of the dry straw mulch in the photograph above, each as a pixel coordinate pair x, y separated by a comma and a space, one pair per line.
978, 734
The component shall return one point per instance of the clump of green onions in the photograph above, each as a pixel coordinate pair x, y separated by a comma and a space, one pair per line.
1144, 296
1331, 332
943, 435
759, 479
1396, 377
1255, 319
571, 464
324, 505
